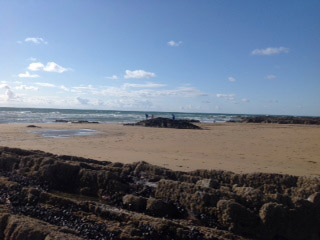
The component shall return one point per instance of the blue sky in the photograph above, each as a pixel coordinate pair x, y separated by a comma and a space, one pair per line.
194, 56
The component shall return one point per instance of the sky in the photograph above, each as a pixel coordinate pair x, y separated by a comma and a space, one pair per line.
214, 56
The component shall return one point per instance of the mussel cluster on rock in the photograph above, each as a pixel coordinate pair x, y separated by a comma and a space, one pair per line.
45, 196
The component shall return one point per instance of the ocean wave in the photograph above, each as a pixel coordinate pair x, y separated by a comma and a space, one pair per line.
10, 115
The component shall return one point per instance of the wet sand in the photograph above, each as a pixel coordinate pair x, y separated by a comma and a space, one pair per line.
241, 148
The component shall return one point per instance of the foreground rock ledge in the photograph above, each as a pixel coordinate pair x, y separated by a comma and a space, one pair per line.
45, 196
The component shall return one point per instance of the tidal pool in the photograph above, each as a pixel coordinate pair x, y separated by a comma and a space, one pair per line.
66, 133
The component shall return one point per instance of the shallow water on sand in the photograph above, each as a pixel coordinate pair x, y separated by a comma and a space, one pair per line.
66, 133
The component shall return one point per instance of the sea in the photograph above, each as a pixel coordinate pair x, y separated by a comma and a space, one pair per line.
50, 115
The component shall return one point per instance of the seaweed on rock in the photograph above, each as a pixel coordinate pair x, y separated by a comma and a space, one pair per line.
45, 196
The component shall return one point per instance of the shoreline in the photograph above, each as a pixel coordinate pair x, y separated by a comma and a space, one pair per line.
237, 147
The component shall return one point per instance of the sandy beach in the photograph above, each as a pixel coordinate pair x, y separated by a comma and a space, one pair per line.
241, 148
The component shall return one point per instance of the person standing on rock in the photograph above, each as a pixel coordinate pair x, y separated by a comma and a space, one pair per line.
147, 116
173, 117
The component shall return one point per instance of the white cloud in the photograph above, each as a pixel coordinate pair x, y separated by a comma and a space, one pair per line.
131, 97
97, 102
185, 92
146, 85
9, 94
50, 67
84, 88
271, 77
137, 74
190, 107
64, 88
83, 101
28, 75
37, 66
24, 87
245, 100
48, 85
4, 86
36, 40
53, 67
174, 44
115, 92
231, 79
270, 51
123, 92
229, 97
33, 100
128, 103
113, 77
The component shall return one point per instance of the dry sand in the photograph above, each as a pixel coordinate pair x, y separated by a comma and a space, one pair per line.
241, 148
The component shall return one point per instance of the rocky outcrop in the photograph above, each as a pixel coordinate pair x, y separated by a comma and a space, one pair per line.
45, 196
21, 227
33, 126
135, 203
237, 218
281, 120
167, 123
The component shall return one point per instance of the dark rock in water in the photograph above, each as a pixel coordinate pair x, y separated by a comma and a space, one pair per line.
45, 196
71, 121
33, 126
280, 120
62, 120
84, 121
166, 123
